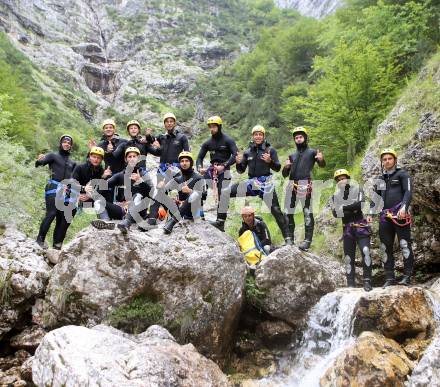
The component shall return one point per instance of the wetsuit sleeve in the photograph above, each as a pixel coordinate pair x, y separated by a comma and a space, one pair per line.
265, 235
275, 165
201, 155
185, 144
242, 230
357, 205
405, 182
286, 169
48, 159
233, 149
119, 151
115, 180
172, 184
241, 167
332, 206
320, 163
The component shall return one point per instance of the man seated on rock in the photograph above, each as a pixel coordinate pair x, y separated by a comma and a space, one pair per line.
254, 237
138, 186
347, 205
190, 186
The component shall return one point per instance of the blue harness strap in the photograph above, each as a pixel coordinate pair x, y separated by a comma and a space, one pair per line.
69, 196
259, 186
163, 167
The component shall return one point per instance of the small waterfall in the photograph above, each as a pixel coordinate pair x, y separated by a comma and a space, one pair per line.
328, 333
427, 371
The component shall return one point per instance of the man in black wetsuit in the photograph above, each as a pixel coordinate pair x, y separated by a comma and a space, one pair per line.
257, 226
347, 204
299, 169
61, 168
190, 186
395, 189
138, 186
260, 159
222, 151
109, 142
168, 146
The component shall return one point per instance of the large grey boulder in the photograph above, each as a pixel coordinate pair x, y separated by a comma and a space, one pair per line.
191, 282
78, 356
23, 277
293, 282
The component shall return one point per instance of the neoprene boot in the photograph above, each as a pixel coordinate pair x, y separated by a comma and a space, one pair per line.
170, 223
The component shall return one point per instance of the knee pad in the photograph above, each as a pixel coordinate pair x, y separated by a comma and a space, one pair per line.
347, 264
383, 250
404, 247
367, 257
307, 217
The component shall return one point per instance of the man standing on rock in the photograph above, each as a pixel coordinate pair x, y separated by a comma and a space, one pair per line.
396, 191
260, 158
61, 168
299, 169
347, 203
190, 186
168, 146
222, 150
109, 142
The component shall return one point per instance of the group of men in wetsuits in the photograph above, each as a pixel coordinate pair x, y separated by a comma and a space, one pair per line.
115, 162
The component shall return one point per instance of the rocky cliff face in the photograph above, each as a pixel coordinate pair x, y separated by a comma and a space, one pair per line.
136, 58
313, 8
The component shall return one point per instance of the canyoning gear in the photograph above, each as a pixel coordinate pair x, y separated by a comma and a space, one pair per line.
251, 247
171, 145
68, 137
169, 115
341, 172
302, 163
388, 151
367, 285
215, 120
346, 204
259, 184
96, 150
389, 282
110, 161
258, 128
133, 122
108, 121
252, 160
186, 154
61, 167
299, 130
162, 213
222, 149
299, 189
405, 281
102, 224
351, 283
169, 225
132, 149
259, 228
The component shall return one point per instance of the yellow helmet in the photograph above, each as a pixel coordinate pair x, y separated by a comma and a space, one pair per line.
186, 154
341, 172
215, 120
132, 149
388, 151
258, 128
96, 150
64, 136
299, 130
108, 122
133, 122
169, 115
